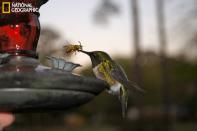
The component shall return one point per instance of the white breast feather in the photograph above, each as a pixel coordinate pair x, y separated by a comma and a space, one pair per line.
114, 89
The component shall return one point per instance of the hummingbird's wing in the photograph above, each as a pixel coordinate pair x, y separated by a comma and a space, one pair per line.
119, 74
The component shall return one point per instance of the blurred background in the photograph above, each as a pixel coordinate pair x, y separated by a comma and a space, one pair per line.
156, 43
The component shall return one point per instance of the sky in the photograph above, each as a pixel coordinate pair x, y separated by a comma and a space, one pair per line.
74, 20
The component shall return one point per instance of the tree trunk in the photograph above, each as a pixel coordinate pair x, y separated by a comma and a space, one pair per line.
136, 68
164, 65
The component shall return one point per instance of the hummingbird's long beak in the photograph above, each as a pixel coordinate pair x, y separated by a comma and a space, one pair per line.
94, 59
88, 53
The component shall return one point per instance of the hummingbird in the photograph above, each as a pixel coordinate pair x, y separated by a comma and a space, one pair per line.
105, 68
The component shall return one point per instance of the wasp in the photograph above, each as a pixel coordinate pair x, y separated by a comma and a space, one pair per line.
70, 48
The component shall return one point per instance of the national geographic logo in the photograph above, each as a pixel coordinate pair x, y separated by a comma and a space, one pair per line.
6, 7
15, 7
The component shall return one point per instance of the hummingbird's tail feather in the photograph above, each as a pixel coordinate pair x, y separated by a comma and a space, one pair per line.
134, 87
123, 97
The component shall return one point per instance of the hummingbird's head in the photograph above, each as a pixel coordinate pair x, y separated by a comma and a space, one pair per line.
97, 57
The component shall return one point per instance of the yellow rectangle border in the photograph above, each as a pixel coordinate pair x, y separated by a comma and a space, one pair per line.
3, 7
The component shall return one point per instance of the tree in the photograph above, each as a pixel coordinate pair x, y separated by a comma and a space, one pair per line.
105, 10
164, 64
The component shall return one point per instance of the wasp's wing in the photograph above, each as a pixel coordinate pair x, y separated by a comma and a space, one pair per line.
118, 73
69, 49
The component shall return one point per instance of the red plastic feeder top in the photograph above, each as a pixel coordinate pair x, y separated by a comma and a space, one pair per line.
19, 26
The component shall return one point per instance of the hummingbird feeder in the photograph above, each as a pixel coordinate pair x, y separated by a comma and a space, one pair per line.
22, 88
